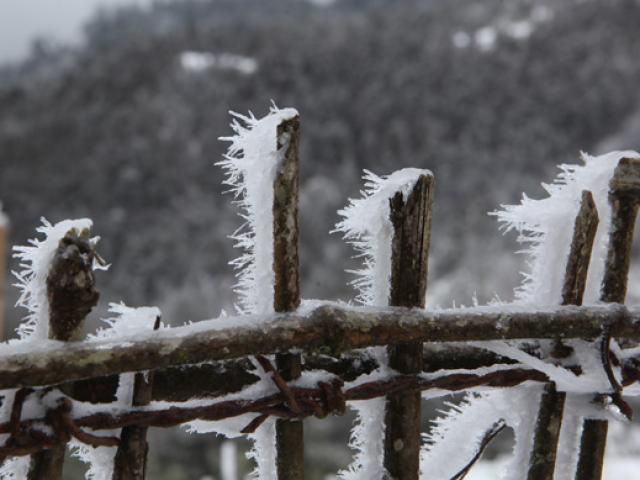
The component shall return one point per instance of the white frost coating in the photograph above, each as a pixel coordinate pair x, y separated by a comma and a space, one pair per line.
592, 378
457, 435
127, 321
35, 261
366, 225
15, 468
263, 451
251, 163
545, 227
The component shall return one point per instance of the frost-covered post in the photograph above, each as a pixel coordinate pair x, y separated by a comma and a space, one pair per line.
411, 220
547, 433
262, 163
71, 294
390, 231
286, 295
624, 198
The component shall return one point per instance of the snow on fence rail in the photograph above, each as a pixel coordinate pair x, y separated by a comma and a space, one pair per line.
281, 360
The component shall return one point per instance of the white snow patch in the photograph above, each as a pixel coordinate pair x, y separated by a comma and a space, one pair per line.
485, 38
461, 39
197, 62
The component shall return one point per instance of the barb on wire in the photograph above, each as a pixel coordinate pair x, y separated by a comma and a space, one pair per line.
327, 397
27, 437
280, 383
324, 399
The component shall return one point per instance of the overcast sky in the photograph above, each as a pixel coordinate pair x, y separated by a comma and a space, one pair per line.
22, 20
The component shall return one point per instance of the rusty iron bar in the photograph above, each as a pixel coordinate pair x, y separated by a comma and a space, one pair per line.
624, 198
542, 460
289, 432
71, 295
593, 442
328, 329
326, 398
411, 220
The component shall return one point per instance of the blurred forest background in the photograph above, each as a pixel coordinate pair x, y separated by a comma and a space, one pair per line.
490, 95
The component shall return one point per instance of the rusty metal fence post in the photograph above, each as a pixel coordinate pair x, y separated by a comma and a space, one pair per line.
547, 433
71, 295
289, 433
411, 220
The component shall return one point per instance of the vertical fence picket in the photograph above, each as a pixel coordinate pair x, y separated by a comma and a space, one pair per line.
547, 433
624, 196
411, 222
71, 293
130, 462
289, 433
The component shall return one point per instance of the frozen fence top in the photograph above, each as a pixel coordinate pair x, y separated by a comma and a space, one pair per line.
251, 163
367, 226
35, 261
546, 228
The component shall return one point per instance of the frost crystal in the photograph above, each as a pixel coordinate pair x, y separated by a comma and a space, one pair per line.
545, 227
251, 163
455, 437
367, 226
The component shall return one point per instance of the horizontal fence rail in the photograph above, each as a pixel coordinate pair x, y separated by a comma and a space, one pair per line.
326, 329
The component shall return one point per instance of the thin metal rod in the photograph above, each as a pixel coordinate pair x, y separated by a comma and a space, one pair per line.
289, 433
330, 329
